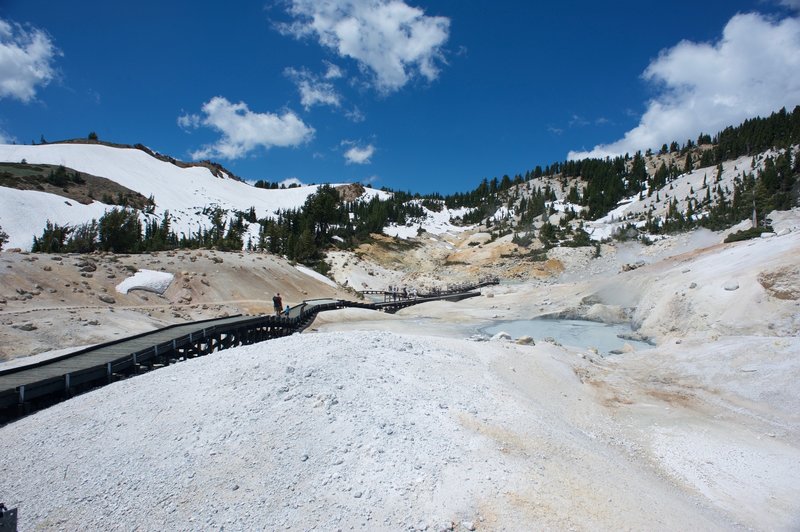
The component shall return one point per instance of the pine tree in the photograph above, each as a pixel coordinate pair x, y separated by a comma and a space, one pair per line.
688, 166
120, 231
53, 238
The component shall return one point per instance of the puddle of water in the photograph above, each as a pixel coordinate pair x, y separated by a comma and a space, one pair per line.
574, 333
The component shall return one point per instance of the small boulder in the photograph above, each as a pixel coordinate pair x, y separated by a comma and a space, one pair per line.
731, 285
105, 298
525, 340
502, 335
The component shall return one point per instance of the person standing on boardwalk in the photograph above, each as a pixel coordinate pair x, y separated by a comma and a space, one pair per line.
277, 304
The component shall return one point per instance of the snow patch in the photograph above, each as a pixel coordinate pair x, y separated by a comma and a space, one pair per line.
316, 275
149, 280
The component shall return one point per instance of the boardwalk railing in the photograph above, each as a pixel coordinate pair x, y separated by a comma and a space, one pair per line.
27, 388
398, 294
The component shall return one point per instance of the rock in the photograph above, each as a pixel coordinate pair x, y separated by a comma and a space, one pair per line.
27, 326
105, 298
501, 336
468, 525
47, 268
628, 348
525, 340
783, 283
693, 286
731, 285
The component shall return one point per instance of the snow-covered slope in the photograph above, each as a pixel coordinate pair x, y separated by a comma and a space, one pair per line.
694, 184
184, 192
434, 222
698, 186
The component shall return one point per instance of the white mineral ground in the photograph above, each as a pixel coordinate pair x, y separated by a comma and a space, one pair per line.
378, 422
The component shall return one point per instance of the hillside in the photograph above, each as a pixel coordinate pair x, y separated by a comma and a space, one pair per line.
52, 302
186, 192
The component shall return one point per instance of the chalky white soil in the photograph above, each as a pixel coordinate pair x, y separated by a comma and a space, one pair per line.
341, 430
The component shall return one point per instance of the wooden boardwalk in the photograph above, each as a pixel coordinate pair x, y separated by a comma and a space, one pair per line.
27, 388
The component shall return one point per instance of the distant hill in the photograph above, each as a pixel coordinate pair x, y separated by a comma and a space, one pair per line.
188, 191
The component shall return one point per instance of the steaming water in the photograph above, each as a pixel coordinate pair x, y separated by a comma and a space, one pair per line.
574, 333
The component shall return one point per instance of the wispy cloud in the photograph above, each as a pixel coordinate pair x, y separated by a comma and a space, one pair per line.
578, 121
332, 71
391, 40
791, 4
26, 61
243, 130
754, 69
358, 154
5, 138
313, 91
355, 115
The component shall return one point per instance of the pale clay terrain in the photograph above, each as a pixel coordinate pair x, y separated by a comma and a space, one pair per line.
376, 422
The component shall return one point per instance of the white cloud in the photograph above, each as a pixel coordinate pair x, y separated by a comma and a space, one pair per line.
243, 130
26, 58
333, 71
358, 154
389, 38
312, 90
752, 71
355, 115
189, 121
792, 4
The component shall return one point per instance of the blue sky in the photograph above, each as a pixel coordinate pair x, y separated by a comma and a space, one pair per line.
426, 96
